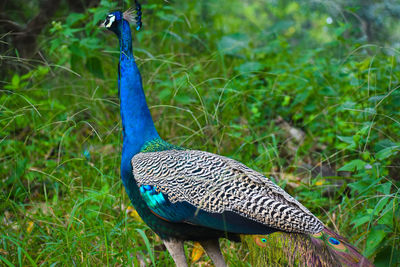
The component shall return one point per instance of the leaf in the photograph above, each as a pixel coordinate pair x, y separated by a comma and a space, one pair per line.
375, 237
328, 91
386, 257
387, 215
361, 221
376, 98
147, 243
370, 111
76, 50
384, 188
346, 139
347, 105
354, 165
164, 94
281, 25
249, 67
168, 17
183, 99
15, 81
174, 36
197, 252
74, 17
386, 219
100, 14
232, 44
385, 143
381, 204
286, 100
93, 64
69, 32
387, 152
90, 43
272, 47
76, 62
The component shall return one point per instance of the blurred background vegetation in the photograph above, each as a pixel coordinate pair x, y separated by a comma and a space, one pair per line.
306, 92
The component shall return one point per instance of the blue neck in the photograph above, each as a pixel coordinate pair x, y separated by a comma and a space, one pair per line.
138, 126
125, 39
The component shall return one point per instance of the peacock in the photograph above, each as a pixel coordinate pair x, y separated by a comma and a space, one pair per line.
184, 194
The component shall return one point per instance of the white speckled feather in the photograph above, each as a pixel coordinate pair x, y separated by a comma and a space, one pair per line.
216, 184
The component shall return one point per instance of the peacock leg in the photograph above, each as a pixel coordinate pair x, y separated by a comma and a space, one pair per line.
175, 248
213, 251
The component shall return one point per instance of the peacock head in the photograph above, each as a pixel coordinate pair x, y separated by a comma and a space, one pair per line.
112, 21
115, 19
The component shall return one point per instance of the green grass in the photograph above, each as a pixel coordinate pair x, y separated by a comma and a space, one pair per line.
215, 81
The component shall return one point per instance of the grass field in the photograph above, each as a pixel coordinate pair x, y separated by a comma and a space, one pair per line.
269, 84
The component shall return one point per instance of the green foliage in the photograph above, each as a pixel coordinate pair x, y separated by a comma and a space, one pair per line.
217, 74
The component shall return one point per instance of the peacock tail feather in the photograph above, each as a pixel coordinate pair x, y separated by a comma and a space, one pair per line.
325, 248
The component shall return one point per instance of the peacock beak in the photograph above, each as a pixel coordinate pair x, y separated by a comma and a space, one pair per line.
102, 25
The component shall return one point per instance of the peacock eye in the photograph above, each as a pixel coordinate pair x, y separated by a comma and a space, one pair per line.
334, 241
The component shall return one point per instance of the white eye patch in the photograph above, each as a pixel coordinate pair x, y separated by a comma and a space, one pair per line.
109, 21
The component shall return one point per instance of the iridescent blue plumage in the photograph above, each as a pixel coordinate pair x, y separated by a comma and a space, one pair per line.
152, 197
139, 134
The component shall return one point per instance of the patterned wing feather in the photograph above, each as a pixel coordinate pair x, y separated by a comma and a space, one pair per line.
217, 184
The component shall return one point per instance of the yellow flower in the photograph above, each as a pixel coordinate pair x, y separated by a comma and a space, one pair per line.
133, 213
197, 252
30, 227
